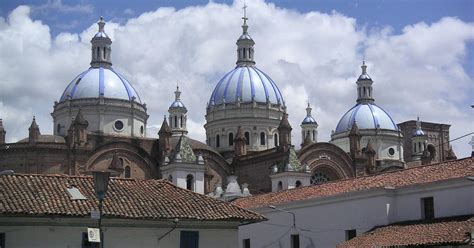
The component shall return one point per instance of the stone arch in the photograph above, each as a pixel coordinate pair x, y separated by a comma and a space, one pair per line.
141, 163
328, 158
216, 170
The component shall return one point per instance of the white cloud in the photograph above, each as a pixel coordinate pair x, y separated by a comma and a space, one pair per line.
312, 56
57, 5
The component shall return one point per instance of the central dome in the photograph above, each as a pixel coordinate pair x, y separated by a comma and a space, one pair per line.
246, 84
100, 82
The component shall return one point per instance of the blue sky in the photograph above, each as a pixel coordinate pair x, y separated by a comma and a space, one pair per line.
420, 55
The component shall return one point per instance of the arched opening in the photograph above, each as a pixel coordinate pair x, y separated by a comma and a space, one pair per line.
128, 172
322, 175
104, 54
98, 53
314, 135
247, 137
298, 184
58, 128
262, 139
280, 186
175, 121
190, 182
275, 139
181, 122
231, 139
170, 178
218, 140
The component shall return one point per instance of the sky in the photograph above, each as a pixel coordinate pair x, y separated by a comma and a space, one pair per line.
420, 55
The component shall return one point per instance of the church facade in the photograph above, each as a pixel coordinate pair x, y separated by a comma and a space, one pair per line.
100, 123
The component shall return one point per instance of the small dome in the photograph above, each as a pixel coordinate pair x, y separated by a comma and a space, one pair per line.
367, 116
418, 133
100, 82
245, 84
101, 34
177, 104
308, 120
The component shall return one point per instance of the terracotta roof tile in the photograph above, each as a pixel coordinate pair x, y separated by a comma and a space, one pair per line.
417, 175
46, 195
454, 230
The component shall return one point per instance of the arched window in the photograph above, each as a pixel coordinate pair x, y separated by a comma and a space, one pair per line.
262, 139
231, 139
128, 172
314, 135
181, 121
98, 53
319, 177
104, 54
190, 182
218, 140
298, 184
247, 137
175, 121
419, 146
414, 147
280, 186
275, 139
58, 128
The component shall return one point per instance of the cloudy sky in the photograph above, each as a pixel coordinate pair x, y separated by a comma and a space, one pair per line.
419, 53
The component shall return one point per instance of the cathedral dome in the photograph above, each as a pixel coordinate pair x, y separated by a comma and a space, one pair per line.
100, 82
308, 120
246, 84
367, 116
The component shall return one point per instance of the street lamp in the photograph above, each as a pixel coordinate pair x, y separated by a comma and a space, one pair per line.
285, 211
101, 182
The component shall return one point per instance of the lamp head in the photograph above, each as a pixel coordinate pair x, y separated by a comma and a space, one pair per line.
101, 182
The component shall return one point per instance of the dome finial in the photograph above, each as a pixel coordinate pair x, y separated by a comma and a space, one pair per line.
245, 44
101, 24
364, 67
101, 47
177, 93
308, 110
245, 26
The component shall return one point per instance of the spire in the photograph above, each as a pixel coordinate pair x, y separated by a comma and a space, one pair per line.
308, 110
177, 94
2, 133
165, 128
101, 47
116, 164
354, 130
34, 132
245, 44
80, 119
364, 86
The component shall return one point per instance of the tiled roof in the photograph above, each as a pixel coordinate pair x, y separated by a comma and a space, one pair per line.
417, 175
453, 231
46, 195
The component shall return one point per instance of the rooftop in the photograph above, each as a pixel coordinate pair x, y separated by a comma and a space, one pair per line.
412, 176
444, 231
47, 195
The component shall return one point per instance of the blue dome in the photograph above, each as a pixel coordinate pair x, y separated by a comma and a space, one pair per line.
246, 83
308, 120
97, 82
177, 104
367, 116
418, 133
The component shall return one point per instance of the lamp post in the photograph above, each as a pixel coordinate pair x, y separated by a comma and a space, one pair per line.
101, 182
285, 211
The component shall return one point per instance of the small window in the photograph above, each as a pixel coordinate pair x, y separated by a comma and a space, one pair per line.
128, 172
298, 184
218, 140
104, 54
170, 178
391, 151
2, 240
189, 239
350, 234
190, 182
295, 241
247, 137
86, 243
176, 121
262, 139
275, 139
181, 122
231, 139
427, 208
118, 125
246, 243
280, 186
314, 135
58, 129
142, 130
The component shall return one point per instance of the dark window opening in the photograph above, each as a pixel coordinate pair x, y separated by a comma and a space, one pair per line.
105, 57
176, 121
189, 182
350, 234
128, 172
246, 243
2, 240
231, 139
181, 122
247, 137
86, 243
280, 186
275, 139
218, 140
142, 130
118, 125
58, 128
189, 239
298, 184
262, 139
427, 208
295, 241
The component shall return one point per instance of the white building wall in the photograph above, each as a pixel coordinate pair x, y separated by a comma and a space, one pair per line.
323, 222
115, 237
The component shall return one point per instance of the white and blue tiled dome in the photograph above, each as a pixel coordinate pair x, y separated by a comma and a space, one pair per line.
308, 120
100, 82
246, 84
367, 116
